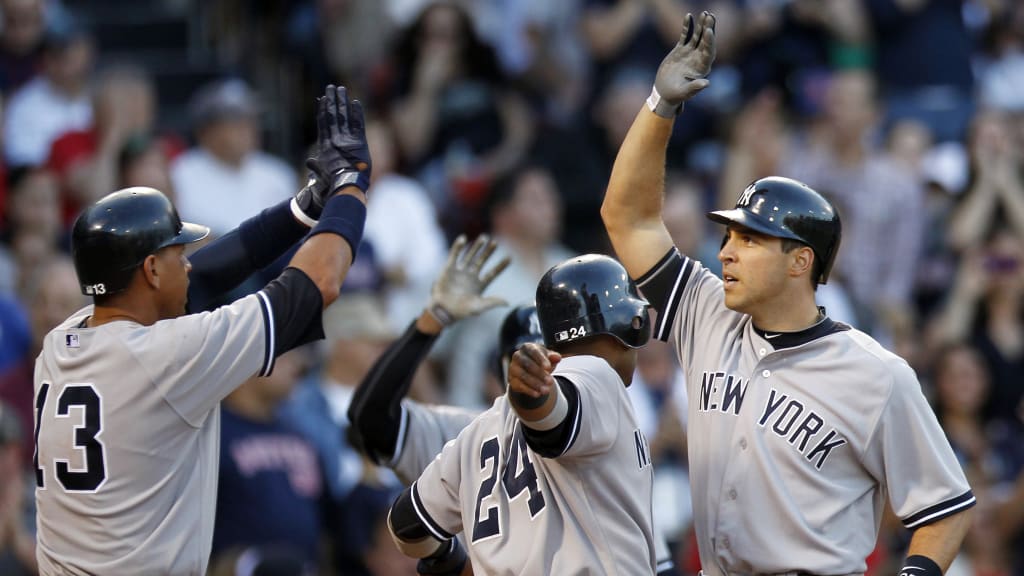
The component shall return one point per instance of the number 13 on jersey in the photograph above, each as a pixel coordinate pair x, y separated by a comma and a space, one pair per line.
86, 438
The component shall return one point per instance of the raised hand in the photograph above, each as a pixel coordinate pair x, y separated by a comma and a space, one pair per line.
342, 150
681, 74
458, 291
529, 373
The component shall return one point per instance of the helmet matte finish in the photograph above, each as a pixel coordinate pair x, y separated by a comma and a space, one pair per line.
591, 295
114, 236
786, 208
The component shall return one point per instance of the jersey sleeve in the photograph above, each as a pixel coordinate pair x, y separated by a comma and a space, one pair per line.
689, 300
601, 395
914, 460
435, 494
196, 360
422, 434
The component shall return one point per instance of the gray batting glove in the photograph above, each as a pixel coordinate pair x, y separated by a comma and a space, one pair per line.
458, 292
681, 74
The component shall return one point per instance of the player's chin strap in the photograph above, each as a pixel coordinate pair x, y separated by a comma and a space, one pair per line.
918, 565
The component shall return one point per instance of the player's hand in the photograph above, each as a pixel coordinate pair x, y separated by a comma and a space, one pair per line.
310, 199
343, 152
681, 74
458, 291
530, 371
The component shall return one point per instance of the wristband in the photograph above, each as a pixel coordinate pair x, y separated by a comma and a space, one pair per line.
300, 215
918, 565
555, 417
345, 216
348, 177
441, 315
662, 108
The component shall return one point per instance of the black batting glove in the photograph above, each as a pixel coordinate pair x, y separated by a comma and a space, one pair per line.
343, 152
309, 201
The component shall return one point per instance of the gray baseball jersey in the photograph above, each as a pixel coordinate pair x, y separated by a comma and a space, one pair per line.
585, 511
127, 427
424, 431
796, 439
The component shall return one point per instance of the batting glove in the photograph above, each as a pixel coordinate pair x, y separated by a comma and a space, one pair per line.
681, 74
308, 203
458, 291
343, 152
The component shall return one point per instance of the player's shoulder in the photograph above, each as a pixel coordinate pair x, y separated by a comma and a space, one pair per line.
875, 361
76, 319
585, 366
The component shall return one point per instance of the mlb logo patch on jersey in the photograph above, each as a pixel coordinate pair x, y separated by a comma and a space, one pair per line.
71, 340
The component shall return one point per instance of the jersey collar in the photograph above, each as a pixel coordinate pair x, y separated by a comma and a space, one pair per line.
781, 340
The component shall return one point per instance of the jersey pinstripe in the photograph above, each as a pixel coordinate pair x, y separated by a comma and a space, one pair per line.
586, 511
813, 430
128, 423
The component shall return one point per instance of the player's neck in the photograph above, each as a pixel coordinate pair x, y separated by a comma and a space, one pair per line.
113, 312
787, 319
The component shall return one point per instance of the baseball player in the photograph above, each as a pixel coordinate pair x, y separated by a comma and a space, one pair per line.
406, 435
555, 478
127, 389
800, 428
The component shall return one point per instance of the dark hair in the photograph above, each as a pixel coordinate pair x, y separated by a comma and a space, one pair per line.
477, 57
788, 245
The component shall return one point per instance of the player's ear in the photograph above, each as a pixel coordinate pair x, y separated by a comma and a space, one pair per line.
150, 273
802, 262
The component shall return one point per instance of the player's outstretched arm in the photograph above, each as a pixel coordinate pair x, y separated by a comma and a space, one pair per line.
457, 293
258, 242
632, 205
344, 155
933, 547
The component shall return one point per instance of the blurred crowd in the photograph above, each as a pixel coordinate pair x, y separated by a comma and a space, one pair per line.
504, 117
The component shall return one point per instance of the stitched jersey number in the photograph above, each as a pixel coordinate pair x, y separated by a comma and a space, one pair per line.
486, 527
517, 474
520, 475
94, 474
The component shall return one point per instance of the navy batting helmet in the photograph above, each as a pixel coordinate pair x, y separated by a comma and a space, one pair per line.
785, 208
591, 295
519, 327
112, 237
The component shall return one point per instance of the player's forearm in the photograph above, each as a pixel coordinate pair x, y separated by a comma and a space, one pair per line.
633, 202
226, 262
531, 409
328, 253
376, 409
634, 194
941, 541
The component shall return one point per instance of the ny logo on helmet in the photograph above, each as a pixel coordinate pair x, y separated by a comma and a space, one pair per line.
745, 197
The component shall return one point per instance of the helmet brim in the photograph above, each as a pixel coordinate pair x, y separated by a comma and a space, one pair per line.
190, 233
748, 220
